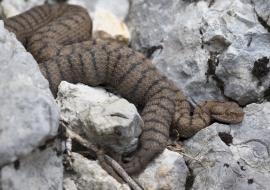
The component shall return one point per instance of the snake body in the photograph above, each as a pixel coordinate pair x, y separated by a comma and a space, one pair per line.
59, 38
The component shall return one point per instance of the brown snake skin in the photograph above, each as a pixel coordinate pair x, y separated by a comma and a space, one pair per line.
58, 36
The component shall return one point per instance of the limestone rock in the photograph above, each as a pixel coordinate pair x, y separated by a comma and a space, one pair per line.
29, 118
107, 27
14, 7
231, 29
41, 169
8, 10
262, 9
101, 116
120, 8
240, 164
90, 175
166, 171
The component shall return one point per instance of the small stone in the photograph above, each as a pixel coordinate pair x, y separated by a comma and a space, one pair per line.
167, 171
106, 26
103, 117
89, 175
9, 10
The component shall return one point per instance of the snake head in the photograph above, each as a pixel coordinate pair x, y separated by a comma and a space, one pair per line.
228, 112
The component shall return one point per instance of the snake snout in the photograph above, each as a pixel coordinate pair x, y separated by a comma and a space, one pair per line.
235, 115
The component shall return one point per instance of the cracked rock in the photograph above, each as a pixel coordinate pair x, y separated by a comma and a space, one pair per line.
103, 117
166, 171
229, 28
242, 164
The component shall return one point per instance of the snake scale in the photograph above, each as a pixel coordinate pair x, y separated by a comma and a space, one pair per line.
59, 38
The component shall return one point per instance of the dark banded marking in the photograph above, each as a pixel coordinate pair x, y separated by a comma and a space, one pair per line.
130, 69
130, 54
180, 109
154, 83
14, 19
82, 65
42, 48
163, 88
148, 112
181, 116
168, 119
27, 21
156, 121
59, 68
92, 53
73, 19
44, 11
164, 97
32, 16
118, 48
158, 104
64, 24
203, 111
12, 27
205, 123
37, 14
154, 140
157, 131
34, 41
143, 75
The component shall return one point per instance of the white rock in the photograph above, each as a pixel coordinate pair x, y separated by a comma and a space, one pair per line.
81, 3
9, 10
14, 7
118, 7
107, 27
102, 116
89, 175
166, 171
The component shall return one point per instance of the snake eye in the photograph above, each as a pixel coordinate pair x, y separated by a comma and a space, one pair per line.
228, 112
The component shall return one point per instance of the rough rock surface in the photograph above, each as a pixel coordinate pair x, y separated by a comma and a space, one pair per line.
28, 116
41, 169
233, 34
119, 7
229, 28
237, 160
104, 118
90, 175
107, 27
14, 7
167, 171
262, 9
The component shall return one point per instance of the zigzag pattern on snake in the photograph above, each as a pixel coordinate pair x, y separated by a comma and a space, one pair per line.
58, 36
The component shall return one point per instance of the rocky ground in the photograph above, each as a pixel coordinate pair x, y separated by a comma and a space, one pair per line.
211, 49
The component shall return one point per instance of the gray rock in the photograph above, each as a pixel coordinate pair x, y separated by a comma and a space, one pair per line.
242, 164
189, 32
90, 175
166, 171
262, 8
41, 169
29, 117
103, 117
